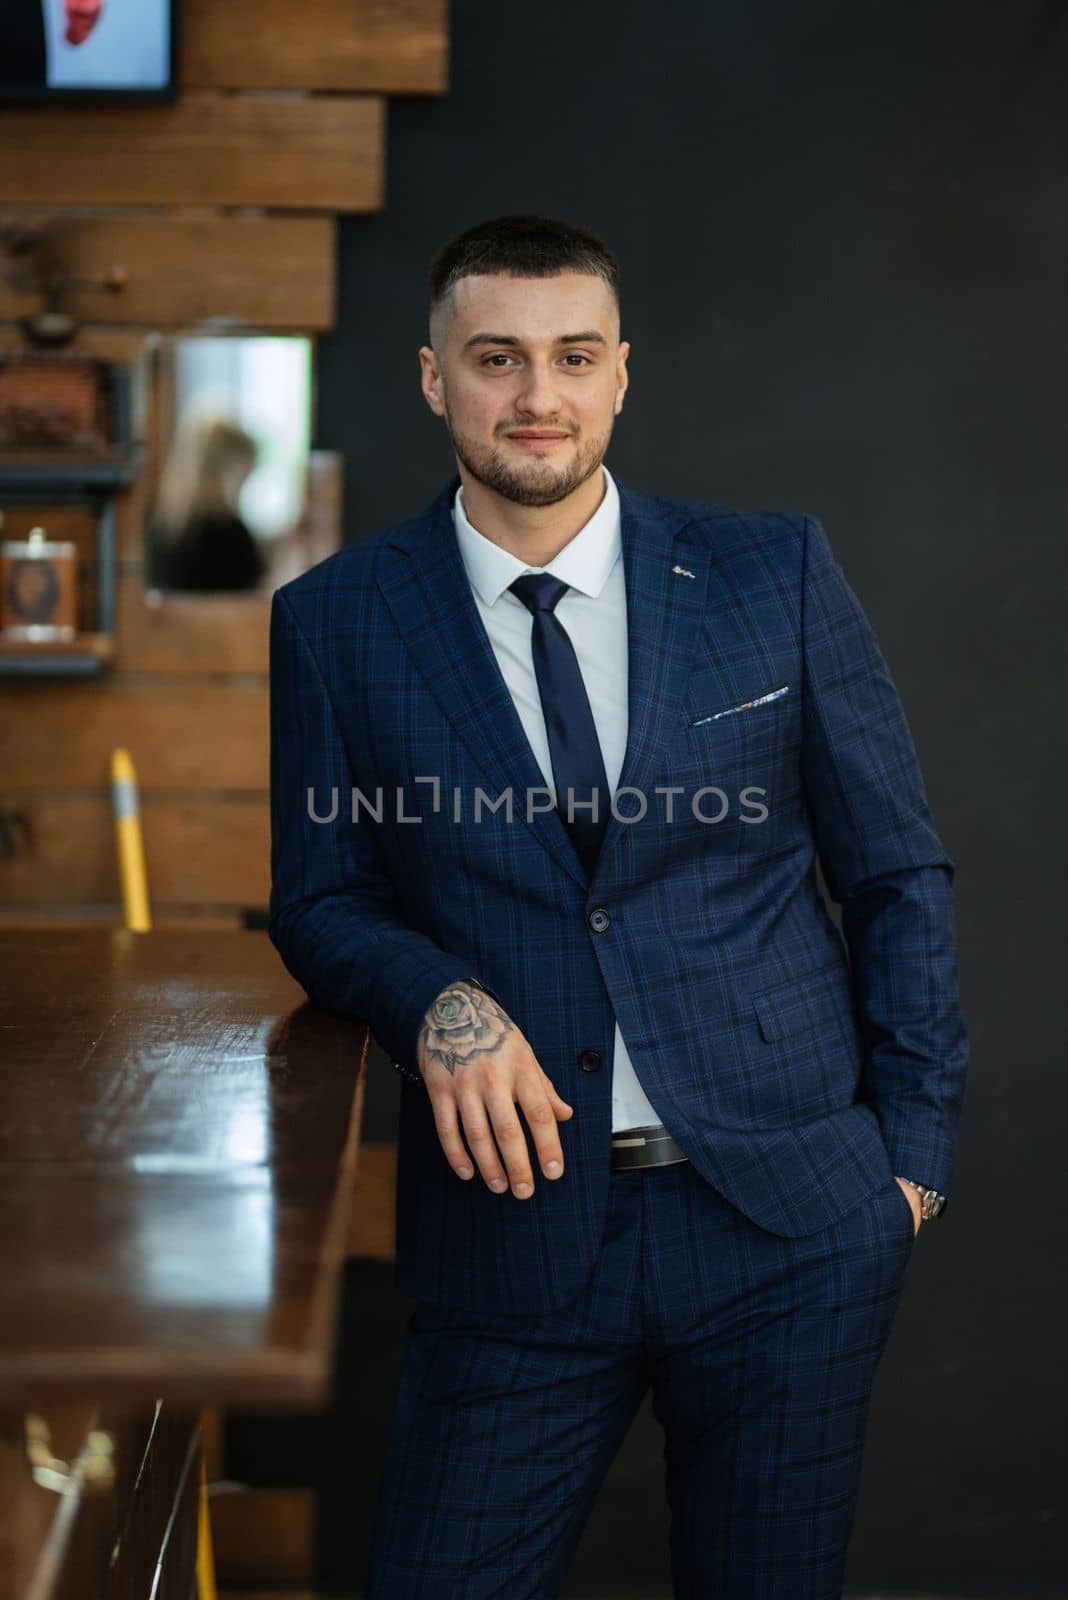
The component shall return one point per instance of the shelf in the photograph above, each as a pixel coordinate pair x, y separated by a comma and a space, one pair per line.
84, 656
114, 468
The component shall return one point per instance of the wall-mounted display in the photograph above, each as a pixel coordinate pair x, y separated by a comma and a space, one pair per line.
87, 49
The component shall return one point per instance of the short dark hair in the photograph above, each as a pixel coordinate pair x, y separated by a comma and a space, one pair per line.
524, 246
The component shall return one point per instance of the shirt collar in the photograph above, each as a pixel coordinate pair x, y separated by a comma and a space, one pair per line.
584, 563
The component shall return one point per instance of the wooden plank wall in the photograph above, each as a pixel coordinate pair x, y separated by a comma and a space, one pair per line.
221, 210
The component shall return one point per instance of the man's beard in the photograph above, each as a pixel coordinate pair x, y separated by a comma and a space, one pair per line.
535, 483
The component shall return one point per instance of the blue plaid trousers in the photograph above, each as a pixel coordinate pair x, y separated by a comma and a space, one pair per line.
760, 1352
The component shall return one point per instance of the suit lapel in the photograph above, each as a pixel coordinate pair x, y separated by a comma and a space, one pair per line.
425, 585
664, 614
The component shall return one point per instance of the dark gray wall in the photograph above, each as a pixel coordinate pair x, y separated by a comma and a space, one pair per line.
843, 231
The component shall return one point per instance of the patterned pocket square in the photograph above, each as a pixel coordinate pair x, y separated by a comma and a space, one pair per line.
743, 705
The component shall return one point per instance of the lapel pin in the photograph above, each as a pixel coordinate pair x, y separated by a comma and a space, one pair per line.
682, 572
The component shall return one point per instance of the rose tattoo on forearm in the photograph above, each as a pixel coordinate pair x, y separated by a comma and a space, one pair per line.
461, 1024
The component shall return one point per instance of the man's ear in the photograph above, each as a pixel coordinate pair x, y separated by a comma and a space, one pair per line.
431, 380
622, 375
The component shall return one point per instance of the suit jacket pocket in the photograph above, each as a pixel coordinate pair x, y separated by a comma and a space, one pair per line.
813, 1000
740, 707
742, 736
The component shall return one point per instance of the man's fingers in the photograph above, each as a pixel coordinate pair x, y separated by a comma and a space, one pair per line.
540, 1112
447, 1124
480, 1139
480, 1121
511, 1140
561, 1107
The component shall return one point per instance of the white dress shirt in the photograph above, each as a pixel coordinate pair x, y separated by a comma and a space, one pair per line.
594, 614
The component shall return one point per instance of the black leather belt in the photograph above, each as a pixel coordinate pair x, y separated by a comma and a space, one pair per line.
644, 1147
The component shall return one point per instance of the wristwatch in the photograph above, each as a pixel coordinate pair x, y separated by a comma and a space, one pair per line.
931, 1201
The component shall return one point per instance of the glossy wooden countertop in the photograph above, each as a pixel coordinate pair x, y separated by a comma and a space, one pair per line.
178, 1135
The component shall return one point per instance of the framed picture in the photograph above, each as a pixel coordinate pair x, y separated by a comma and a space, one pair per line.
38, 595
76, 50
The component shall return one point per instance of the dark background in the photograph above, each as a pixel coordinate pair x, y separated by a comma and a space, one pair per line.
843, 233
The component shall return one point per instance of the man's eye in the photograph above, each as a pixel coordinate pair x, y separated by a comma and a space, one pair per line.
572, 355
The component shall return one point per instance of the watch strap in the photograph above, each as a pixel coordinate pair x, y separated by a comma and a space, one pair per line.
932, 1202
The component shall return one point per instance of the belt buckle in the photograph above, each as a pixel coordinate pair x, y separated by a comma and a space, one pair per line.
638, 1138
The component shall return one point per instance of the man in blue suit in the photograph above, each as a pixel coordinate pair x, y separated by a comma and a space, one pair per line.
552, 767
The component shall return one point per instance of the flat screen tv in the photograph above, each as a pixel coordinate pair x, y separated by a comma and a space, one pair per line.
78, 50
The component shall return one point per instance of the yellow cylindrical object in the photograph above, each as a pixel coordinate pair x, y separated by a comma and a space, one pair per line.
205, 1554
129, 843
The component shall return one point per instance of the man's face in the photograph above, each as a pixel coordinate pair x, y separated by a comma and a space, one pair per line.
529, 375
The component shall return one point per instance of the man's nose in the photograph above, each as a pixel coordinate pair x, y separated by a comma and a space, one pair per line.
539, 395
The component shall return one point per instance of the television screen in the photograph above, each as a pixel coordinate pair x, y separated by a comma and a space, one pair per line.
87, 49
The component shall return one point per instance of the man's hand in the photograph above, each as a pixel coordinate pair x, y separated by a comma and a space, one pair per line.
476, 1065
913, 1198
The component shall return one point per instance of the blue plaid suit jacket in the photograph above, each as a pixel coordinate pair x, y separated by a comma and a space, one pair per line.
797, 1070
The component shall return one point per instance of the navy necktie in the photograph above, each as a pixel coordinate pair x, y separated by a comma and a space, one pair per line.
574, 748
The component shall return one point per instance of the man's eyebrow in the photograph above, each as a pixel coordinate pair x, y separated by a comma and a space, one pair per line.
591, 336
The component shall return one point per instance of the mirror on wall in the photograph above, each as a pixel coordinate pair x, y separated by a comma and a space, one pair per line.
236, 480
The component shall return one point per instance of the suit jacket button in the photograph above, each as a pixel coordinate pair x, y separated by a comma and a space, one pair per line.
590, 1060
599, 920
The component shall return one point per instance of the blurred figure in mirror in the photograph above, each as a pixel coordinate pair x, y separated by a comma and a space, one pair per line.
82, 17
196, 537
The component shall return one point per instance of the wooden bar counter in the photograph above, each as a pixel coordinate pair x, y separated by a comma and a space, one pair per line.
178, 1142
